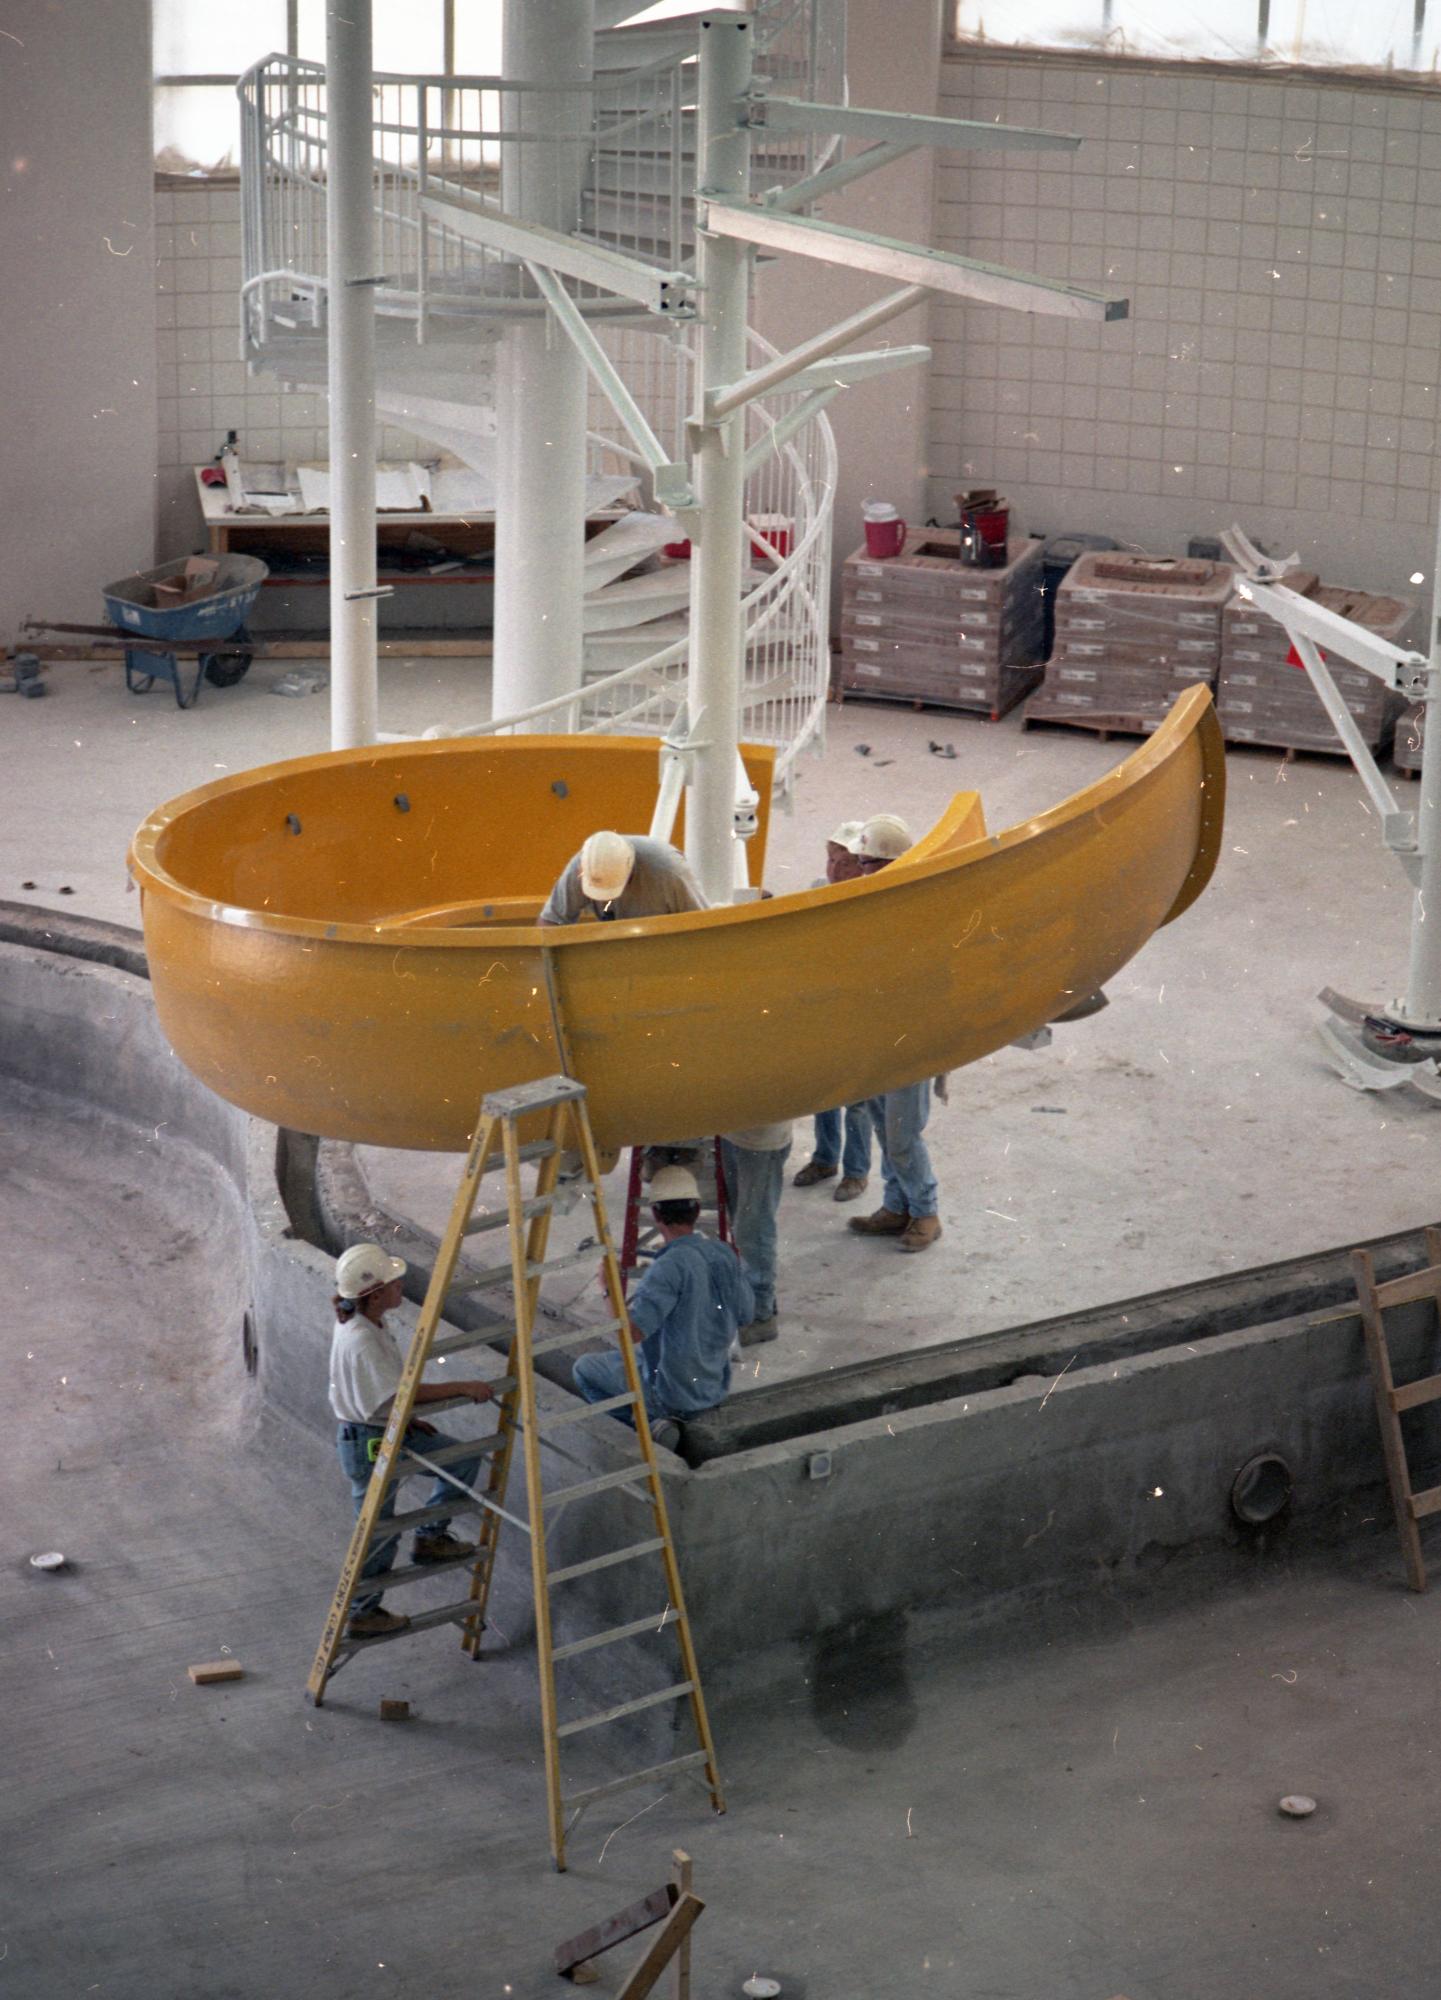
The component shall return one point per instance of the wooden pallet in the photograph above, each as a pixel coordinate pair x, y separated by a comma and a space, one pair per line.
1031, 680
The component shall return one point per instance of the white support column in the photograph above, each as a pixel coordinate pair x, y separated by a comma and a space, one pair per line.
349, 229
717, 645
541, 379
1422, 1006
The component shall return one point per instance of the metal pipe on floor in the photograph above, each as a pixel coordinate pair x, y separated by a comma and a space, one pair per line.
350, 267
1422, 1007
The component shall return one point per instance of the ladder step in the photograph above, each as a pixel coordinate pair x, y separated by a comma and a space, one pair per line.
467, 1448
627, 1477
500, 1218
538, 1149
625, 1555
691, 1758
615, 1633
1426, 1503
414, 1572
500, 1273
1411, 1394
420, 1517
587, 1410
446, 1614
481, 1337
605, 1715
546, 1090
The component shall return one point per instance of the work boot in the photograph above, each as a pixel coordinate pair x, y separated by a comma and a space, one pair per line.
921, 1232
851, 1187
441, 1548
812, 1172
665, 1432
884, 1222
377, 1624
758, 1332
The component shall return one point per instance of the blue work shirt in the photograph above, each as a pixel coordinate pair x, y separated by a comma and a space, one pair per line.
687, 1309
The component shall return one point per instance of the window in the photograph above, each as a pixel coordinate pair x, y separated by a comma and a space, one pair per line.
1402, 35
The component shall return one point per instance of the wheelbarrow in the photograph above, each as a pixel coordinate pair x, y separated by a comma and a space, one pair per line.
159, 635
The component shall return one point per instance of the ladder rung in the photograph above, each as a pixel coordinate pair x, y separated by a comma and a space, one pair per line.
604, 1715
535, 1096
420, 1517
501, 1273
636, 1778
627, 1477
587, 1410
1411, 1394
616, 1632
466, 1448
1426, 1503
500, 1218
569, 1339
414, 1572
538, 1149
482, 1336
1424, 1284
446, 1614
628, 1554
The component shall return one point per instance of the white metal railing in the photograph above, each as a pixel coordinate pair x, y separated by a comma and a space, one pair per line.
439, 135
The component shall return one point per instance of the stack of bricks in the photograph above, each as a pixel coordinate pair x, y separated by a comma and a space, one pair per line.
1265, 698
1132, 632
927, 627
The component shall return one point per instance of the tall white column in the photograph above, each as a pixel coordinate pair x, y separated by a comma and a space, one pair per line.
1422, 1006
717, 642
541, 379
349, 231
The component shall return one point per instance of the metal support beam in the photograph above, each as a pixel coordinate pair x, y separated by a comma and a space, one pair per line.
671, 481
841, 370
780, 373
1402, 670
717, 622
911, 263
785, 428
666, 293
349, 233
906, 128
800, 194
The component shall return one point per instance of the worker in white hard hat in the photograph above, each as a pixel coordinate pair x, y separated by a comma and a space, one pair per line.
910, 1200
617, 876
831, 1152
365, 1370
686, 1311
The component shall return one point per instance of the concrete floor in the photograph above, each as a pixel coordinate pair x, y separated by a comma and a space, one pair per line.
1190, 1129
1077, 1812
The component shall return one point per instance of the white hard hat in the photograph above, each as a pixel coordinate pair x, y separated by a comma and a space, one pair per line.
363, 1268
605, 864
884, 838
847, 835
674, 1184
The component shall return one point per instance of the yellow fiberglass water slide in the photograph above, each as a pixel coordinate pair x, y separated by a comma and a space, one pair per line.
346, 944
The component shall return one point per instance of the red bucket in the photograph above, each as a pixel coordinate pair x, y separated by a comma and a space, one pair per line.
985, 528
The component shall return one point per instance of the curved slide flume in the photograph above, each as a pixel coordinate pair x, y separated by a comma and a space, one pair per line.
343, 944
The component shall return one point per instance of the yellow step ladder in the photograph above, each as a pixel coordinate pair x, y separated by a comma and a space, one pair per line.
497, 1141
1410, 1507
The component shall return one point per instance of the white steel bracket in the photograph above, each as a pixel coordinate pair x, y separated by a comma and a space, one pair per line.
898, 128
668, 294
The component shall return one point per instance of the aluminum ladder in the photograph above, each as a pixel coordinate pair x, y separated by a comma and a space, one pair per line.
560, 1104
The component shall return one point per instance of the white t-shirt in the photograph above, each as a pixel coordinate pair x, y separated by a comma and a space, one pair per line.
365, 1369
762, 1138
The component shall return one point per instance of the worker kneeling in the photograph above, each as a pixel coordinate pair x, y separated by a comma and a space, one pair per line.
686, 1311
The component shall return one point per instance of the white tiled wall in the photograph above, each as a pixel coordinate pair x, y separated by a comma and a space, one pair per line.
1281, 248
204, 389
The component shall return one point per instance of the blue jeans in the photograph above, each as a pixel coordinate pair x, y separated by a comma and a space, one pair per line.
856, 1159
753, 1186
351, 1441
900, 1118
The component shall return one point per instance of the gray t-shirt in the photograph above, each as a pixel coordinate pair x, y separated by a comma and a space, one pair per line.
660, 885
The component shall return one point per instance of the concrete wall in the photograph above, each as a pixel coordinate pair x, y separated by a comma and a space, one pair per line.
1281, 247
77, 317
893, 62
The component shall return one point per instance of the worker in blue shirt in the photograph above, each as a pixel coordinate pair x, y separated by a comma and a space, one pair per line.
686, 1312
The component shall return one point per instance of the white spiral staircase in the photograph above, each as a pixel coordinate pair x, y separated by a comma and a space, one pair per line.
442, 302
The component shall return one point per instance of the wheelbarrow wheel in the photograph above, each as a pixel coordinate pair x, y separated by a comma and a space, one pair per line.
223, 670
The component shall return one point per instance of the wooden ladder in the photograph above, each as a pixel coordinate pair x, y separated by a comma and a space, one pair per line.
497, 1141
1410, 1507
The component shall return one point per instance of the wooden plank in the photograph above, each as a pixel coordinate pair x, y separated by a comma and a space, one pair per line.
1426, 1503
1418, 1285
681, 1876
1425, 1389
216, 1670
663, 1948
611, 1931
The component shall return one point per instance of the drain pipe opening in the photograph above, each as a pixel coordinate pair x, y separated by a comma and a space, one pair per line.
1261, 1490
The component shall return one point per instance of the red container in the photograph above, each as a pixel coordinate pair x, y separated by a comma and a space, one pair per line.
985, 528
677, 551
885, 538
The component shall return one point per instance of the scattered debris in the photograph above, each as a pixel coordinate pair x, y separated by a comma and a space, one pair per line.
942, 749
49, 1559
1297, 1806
24, 676
65, 889
27, 885
584, 1974
216, 1670
394, 1711
303, 680
883, 763
1050, 1110
758, 1987
861, 749
611, 1931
